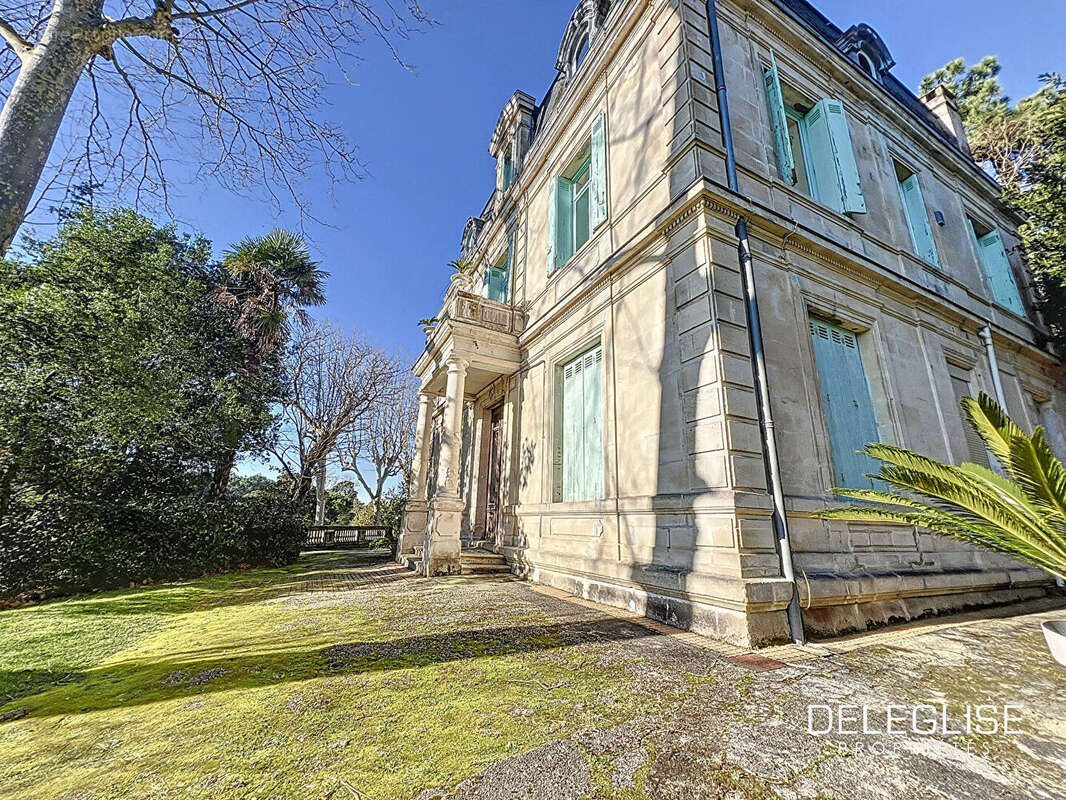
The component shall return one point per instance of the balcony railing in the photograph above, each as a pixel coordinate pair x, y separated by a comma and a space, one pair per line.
463, 306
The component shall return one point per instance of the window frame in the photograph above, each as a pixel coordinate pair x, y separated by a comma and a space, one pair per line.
898, 167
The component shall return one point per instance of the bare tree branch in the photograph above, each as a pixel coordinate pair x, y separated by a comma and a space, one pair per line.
234, 87
14, 39
334, 381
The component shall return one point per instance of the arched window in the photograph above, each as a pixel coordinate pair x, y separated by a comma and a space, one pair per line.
866, 64
581, 51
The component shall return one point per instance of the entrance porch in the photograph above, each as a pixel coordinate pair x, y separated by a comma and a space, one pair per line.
473, 346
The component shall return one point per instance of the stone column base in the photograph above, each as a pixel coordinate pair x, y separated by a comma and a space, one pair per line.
413, 532
441, 555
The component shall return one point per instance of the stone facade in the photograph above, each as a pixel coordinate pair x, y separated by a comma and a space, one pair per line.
682, 527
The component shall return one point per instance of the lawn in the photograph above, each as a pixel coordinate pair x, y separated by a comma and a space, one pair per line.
344, 676
333, 675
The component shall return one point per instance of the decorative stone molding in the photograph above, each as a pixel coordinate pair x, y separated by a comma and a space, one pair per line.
582, 29
861, 41
485, 313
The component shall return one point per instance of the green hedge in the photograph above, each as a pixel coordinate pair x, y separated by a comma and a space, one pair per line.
67, 546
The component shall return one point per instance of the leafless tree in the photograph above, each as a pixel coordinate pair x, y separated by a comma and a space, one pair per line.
234, 86
335, 380
381, 445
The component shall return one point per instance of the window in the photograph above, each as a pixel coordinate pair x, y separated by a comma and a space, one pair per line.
581, 52
976, 453
497, 276
865, 64
916, 215
578, 203
997, 268
849, 411
813, 145
579, 429
508, 167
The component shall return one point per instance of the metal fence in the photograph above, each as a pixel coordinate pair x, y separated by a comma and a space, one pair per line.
327, 536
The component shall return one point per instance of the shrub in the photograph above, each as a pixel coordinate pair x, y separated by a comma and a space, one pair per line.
60, 547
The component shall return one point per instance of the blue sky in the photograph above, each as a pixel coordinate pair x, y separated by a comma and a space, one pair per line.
424, 135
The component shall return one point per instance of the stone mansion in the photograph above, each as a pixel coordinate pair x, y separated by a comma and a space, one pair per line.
590, 406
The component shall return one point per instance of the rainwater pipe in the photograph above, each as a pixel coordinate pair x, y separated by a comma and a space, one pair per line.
758, 356
993, 365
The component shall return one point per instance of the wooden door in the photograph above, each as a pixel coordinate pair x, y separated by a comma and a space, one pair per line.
492, 500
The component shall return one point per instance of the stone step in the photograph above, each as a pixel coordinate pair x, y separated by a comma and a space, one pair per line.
486, 569
478, 561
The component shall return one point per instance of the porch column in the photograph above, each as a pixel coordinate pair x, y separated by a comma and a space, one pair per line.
416, 512
451, 440
423, 441
442, 549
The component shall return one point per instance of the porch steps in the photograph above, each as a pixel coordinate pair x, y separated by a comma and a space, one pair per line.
481, 561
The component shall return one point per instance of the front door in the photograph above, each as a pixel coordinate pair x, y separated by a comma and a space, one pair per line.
492, 500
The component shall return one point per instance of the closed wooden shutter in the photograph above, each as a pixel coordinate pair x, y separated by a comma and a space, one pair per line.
598, 174
562, 222
976, 452
918, 220
581, 428
786, 165
1000, 275
849, 412
836, 173
593, 423
573, 430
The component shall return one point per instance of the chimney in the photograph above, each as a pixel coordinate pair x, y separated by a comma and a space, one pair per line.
942, 103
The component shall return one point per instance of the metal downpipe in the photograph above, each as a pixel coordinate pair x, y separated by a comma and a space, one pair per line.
758, 357
993, 365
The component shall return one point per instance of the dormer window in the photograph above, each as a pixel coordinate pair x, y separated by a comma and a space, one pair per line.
508, 167
582, 51
866, 64
863, 46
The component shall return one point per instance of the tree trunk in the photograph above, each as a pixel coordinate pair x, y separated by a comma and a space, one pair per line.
34, 110
221, 474
320, 494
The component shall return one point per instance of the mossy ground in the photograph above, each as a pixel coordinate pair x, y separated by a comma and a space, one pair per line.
289, 683
344, 676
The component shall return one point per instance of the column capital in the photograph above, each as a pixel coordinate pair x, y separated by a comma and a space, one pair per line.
457, 363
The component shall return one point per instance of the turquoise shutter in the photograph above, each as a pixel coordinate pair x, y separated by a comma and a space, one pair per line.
786, 165
849, 413
918, 220
999, 272
598, 174
593, 424
835, 171
553, 226
508, 270
564, 215
573, 426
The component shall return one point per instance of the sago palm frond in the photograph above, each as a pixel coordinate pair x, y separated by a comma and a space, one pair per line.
1021, 515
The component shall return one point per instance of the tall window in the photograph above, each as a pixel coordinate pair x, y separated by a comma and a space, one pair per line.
997, 268
579, 428
813, 145
578, 203
916, 215
846, 401
508, 167
976, 453
498, 276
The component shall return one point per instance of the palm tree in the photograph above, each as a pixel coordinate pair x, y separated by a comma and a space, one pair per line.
1022, 515
273, 279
